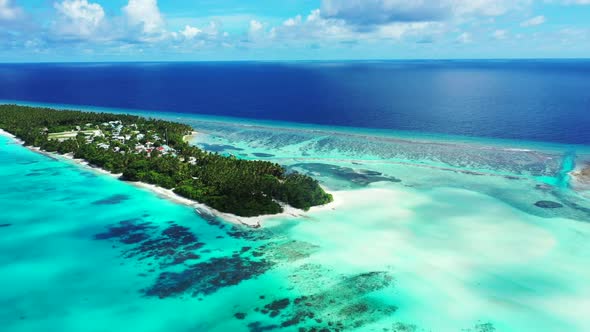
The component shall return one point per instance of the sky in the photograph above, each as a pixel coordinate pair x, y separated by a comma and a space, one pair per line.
265, 30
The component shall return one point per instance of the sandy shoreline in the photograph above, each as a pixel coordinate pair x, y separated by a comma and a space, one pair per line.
9, 135
189, 138
582, 172
254, 222
580, 178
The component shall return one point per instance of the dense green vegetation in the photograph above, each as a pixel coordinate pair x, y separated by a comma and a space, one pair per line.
153, 151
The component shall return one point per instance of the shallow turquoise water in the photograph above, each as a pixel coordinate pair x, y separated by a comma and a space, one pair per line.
422, 237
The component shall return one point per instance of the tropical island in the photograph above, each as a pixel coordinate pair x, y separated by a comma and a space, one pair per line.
154, 151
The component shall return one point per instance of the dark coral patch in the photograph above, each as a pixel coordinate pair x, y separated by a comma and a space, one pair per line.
134, 238
401, 327
240, 315
289, 251
173, 246
210, 218
207, 277
27, 162
275, 307
181, 258
176, 245
245, 233
234, 231
263, 155
360, 178
179, 234
111, 200
219, 147
34, 174
485, 327
548, 205
344, 306
126, 231
258, 327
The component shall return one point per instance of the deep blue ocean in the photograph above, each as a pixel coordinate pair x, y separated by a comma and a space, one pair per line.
544, 100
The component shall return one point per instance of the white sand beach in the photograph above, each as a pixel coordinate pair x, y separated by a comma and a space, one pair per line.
254, 222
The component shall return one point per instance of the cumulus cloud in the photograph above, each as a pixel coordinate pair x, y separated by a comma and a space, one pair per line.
314, 26
371, 12
488, 8
500, 34
419, 20
140, 21
9, 11
146, 15
576, 2
190, 32
140, 25
376, 12
319, 28
255, 26
79, 18
192, 37
214, 29
464, 38
537, 20
255, 30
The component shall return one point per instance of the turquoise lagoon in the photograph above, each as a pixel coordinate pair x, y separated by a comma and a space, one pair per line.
427, 233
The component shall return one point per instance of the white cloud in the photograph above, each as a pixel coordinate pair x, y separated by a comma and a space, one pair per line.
372, 12
79, 18
398, 31
9, 11
500, 34
417, 20
537, 20
377, 12
338, 22
487, 7
255, 26
292, 21
192, 37
255, 30
213, 29
317, 27
576, 2
146, 14
190, 32
464, 38
314, 26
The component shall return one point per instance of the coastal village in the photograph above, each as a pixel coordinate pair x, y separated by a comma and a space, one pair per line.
121, 138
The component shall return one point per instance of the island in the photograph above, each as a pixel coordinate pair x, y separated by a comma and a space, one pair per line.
154, 151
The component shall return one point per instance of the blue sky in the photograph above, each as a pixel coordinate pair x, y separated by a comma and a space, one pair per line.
185, 30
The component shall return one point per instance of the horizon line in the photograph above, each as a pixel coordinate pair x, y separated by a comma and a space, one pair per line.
300, 60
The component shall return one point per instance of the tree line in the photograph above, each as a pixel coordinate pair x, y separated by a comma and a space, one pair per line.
226, 183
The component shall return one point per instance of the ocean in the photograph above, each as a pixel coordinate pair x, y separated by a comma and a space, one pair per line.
436, 226
543, 100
